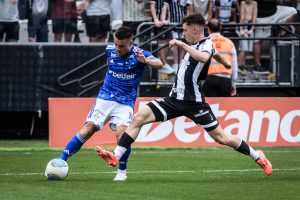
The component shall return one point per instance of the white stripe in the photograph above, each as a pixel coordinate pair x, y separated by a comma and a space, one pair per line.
80, 138
209, 125
161, 172
161, 110
196, 74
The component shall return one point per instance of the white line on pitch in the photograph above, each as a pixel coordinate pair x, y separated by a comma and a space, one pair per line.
159, 172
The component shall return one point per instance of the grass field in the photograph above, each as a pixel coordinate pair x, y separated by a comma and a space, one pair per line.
154, 173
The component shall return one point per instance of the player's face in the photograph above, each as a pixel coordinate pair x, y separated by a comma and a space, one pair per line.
122, 46
189, 33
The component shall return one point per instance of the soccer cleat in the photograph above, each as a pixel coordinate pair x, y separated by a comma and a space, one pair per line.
121, 176
108, 156
264, 163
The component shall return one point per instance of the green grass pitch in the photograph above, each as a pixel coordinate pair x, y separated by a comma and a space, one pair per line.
153, 173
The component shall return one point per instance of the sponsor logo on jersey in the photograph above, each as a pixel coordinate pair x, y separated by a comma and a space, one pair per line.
122, 75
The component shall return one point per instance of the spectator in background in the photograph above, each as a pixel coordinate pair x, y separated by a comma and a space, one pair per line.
97, 19
116, 14
298, 15
274, 14
248, 14
226, 12
156, 12
204, 7
134, 13
221, 81
64, 19
9, 24
175, 9
38, 14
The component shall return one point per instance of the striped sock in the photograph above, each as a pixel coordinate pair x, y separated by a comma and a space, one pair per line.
244, 148
73, 146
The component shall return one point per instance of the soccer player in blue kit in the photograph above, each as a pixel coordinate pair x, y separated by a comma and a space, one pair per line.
116, 98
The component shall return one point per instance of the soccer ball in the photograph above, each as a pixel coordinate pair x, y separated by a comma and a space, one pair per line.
57, 169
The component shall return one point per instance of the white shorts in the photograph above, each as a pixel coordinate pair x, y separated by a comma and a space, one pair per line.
281, 15
245, 45
104, 110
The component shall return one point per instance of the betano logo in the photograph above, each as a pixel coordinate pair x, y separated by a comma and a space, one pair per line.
259, 121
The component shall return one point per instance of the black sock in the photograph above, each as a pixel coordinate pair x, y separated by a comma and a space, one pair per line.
243, 148
125, 140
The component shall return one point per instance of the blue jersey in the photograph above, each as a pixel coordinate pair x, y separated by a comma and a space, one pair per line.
123, 76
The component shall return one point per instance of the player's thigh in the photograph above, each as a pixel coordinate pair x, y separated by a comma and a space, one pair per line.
144, 116
100, 112
121, 116
163, 109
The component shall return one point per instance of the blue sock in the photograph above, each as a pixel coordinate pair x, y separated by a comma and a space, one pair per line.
124, 159
72, 147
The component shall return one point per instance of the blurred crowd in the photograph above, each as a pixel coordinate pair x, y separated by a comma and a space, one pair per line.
67, 20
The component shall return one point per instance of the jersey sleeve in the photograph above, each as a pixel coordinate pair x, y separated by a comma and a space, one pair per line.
208, 47
147, 54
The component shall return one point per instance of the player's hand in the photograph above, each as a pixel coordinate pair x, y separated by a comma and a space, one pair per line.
227, 65
140, 56
173, 42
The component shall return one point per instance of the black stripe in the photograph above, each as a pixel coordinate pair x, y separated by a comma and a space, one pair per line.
189, 92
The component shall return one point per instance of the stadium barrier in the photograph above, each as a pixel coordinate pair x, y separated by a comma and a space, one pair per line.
259, 121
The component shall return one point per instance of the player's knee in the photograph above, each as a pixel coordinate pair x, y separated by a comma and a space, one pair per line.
88, 130
138, 119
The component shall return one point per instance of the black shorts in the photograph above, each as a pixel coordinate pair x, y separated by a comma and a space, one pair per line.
64, 25
11, 31
97, 25
199, 112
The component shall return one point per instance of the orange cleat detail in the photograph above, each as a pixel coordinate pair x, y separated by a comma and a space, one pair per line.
264, 163
108, 156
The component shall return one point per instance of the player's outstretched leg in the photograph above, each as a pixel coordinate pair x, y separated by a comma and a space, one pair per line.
108, 156
264, 163
241, 146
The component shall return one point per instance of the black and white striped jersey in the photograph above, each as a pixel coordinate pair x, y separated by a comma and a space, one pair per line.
191, 72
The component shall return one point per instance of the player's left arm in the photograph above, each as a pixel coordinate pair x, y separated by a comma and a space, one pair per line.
151, 61
221, 60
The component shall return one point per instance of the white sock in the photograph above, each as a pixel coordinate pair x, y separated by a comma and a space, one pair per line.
253, 154
122, 171
119, 151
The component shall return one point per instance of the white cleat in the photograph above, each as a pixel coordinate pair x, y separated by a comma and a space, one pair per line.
121, 176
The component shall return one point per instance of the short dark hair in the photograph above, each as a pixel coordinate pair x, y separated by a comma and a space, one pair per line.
123, 33
214, 25
196, 19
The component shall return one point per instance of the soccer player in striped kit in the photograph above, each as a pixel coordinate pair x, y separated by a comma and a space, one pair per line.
186, 98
